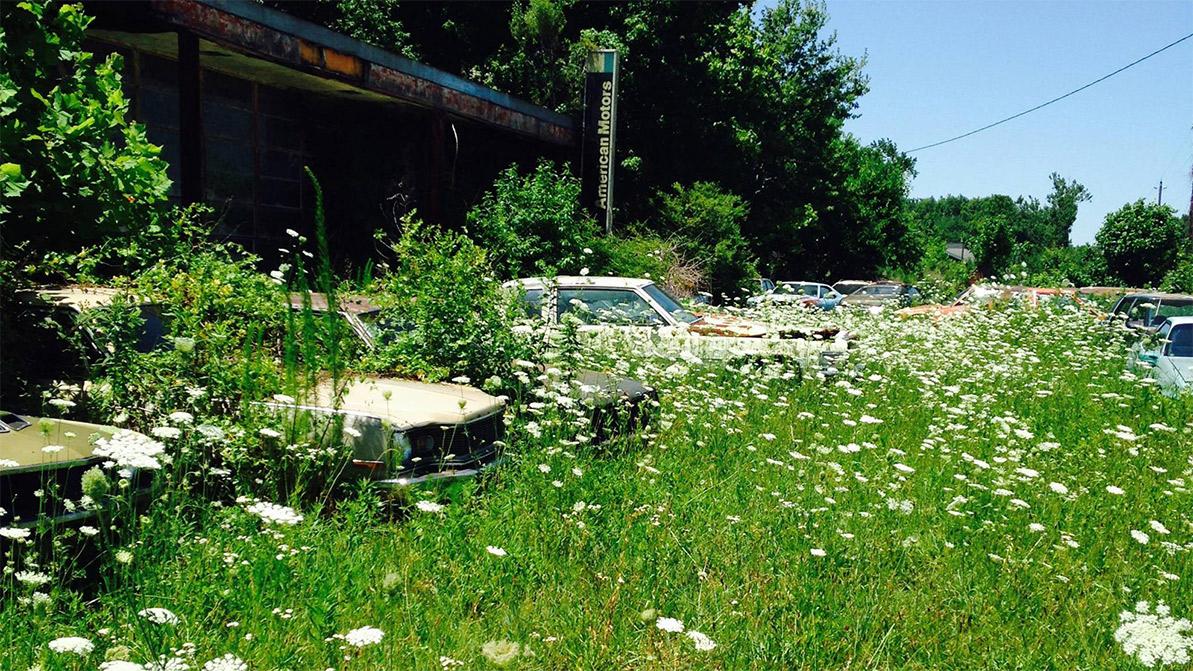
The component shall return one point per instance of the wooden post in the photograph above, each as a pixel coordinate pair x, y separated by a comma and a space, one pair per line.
190, 119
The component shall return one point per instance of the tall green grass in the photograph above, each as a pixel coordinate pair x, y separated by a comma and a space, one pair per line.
877, 520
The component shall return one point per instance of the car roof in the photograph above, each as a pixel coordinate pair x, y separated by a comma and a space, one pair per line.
1160, 295
76, 296
353, 304
582, 281
1179, 320
819, 284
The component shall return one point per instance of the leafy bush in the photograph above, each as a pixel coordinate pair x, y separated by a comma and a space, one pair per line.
706, 222
653, 257
1180, 278
533, 224
1077, 266
74, 169
447, 315
1140, 242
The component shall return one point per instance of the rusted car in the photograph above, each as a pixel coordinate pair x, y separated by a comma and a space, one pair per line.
985, 295
616, 402
642, 315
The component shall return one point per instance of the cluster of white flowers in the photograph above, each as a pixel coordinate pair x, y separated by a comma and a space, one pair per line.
429, 506
672, 625
362, 637
158, 615
228, 662
273, 513
72, 645
129, 449
1154, 637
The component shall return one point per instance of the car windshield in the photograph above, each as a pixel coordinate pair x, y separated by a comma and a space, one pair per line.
669, 304
383, 328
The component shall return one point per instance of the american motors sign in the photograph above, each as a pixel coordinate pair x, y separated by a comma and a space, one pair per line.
600, 136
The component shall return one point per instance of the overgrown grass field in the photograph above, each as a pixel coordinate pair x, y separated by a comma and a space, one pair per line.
987, 491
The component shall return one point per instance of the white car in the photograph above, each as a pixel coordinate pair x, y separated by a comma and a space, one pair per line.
806, 293
639, 313
1169, 355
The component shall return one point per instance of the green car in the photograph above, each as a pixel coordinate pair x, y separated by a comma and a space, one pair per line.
43, 462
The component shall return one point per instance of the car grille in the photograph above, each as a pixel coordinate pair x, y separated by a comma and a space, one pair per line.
454, 447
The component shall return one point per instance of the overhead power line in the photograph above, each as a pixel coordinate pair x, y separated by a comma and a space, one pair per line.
1056, 99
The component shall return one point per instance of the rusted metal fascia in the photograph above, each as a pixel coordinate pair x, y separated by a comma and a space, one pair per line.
276, 36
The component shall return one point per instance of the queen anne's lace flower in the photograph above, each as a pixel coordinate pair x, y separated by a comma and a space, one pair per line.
273, 513
702, 642
363, 636
159, 615
1154, 638
429, 506
129, 449
501, 653
72, 645
14, 534
669, 624
228, 662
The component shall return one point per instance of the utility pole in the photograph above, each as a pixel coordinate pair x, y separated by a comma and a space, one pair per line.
1160, 196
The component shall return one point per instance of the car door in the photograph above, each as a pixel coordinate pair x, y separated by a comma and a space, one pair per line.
1175, 365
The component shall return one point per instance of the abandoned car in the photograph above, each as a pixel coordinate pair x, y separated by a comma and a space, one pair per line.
882, 294
1167, 356
614, 402
42, 462
640, 312
1149, 311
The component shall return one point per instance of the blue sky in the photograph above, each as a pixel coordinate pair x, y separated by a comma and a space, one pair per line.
938, 69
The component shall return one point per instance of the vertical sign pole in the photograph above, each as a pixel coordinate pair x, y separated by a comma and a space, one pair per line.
598, 161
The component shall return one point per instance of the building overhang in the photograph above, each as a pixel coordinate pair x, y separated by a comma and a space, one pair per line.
249, 40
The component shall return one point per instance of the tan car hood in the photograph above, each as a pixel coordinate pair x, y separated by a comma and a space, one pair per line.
409, 403
25, 446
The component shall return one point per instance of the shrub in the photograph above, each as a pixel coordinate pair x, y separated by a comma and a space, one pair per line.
653, 257
533, 224
73, 168
450, 315
1140, 242
1180, 278
706, 222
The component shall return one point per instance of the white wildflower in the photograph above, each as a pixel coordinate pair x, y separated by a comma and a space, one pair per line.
73, 645
495, 551
1154, 638
363, 636
129, 449
702, 642
273, 513
158, 615
669, 624
429, 506
228, 662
